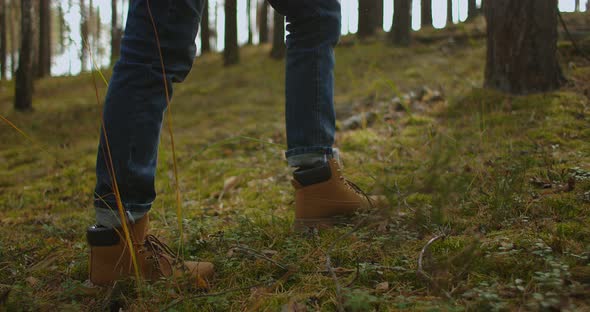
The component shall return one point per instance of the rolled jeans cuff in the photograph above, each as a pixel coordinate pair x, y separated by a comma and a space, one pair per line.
107, 213
310, 156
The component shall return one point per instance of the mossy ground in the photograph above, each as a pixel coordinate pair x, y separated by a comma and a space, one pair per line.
506, 178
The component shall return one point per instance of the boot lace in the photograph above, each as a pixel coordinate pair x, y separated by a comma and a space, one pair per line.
356, 189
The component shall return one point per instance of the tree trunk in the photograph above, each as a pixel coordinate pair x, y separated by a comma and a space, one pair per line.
449, 12
366, 23
402, 22
249, 16
44, 62
231, 52
116, 32
23, 93
13, 38
84, 36
522, 46
278, 36
426, 12
378, 14
205, 30
62, 29
471, 9
577, 6
263, 22
3, 41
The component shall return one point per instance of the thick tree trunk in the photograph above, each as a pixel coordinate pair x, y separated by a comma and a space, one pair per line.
205, 30
116, 33
278, 36
44, 62
84, 36
471, 9
426, 12
3, 40
402, 22
522, 46
231, 53
366, 23
449, 12
23, 93
263, 22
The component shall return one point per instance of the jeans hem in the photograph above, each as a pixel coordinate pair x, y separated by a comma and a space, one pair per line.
309, 150
140, 208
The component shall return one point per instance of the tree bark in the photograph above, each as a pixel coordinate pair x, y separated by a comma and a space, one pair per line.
449, 12
402, 22
263, 22
231, 53
44, 62
426, 12
116, 32
471, 9
23, 93
522, 46
205, 30
13, 37
366, 23
577, 6
3, 41
278, 36
378, 14
249, 16
84, 36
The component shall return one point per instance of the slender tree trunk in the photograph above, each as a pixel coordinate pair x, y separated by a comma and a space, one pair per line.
13, 38
522, 46
44, 62
449, 12
205, 30
278, 36
116, 32
249, 15
263, 21
3, 41
402, 22
231, 52
23, 93
471, 9
426, 13
98, 30
84, 36
577, 6
378, 14
62, 28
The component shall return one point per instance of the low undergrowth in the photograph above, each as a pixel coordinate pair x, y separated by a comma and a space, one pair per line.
500, 184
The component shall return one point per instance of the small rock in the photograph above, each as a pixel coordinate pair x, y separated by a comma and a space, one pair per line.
32, 281
382, 287
360, 120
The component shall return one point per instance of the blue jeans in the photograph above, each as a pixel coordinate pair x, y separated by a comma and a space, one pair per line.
136, 97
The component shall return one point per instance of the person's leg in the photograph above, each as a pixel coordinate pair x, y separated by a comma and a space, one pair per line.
314, 30
136, 101
322, 195
134, 107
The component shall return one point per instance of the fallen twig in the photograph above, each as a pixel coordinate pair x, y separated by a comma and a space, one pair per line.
420, 270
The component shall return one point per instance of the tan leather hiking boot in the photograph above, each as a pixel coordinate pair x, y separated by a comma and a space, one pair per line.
110, 259
323, 197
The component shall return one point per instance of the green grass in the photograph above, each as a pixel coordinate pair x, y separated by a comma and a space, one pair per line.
472, 166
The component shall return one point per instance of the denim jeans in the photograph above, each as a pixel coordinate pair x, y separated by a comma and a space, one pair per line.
136, 97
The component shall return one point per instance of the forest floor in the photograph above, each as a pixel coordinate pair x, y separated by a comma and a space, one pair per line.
501, 183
